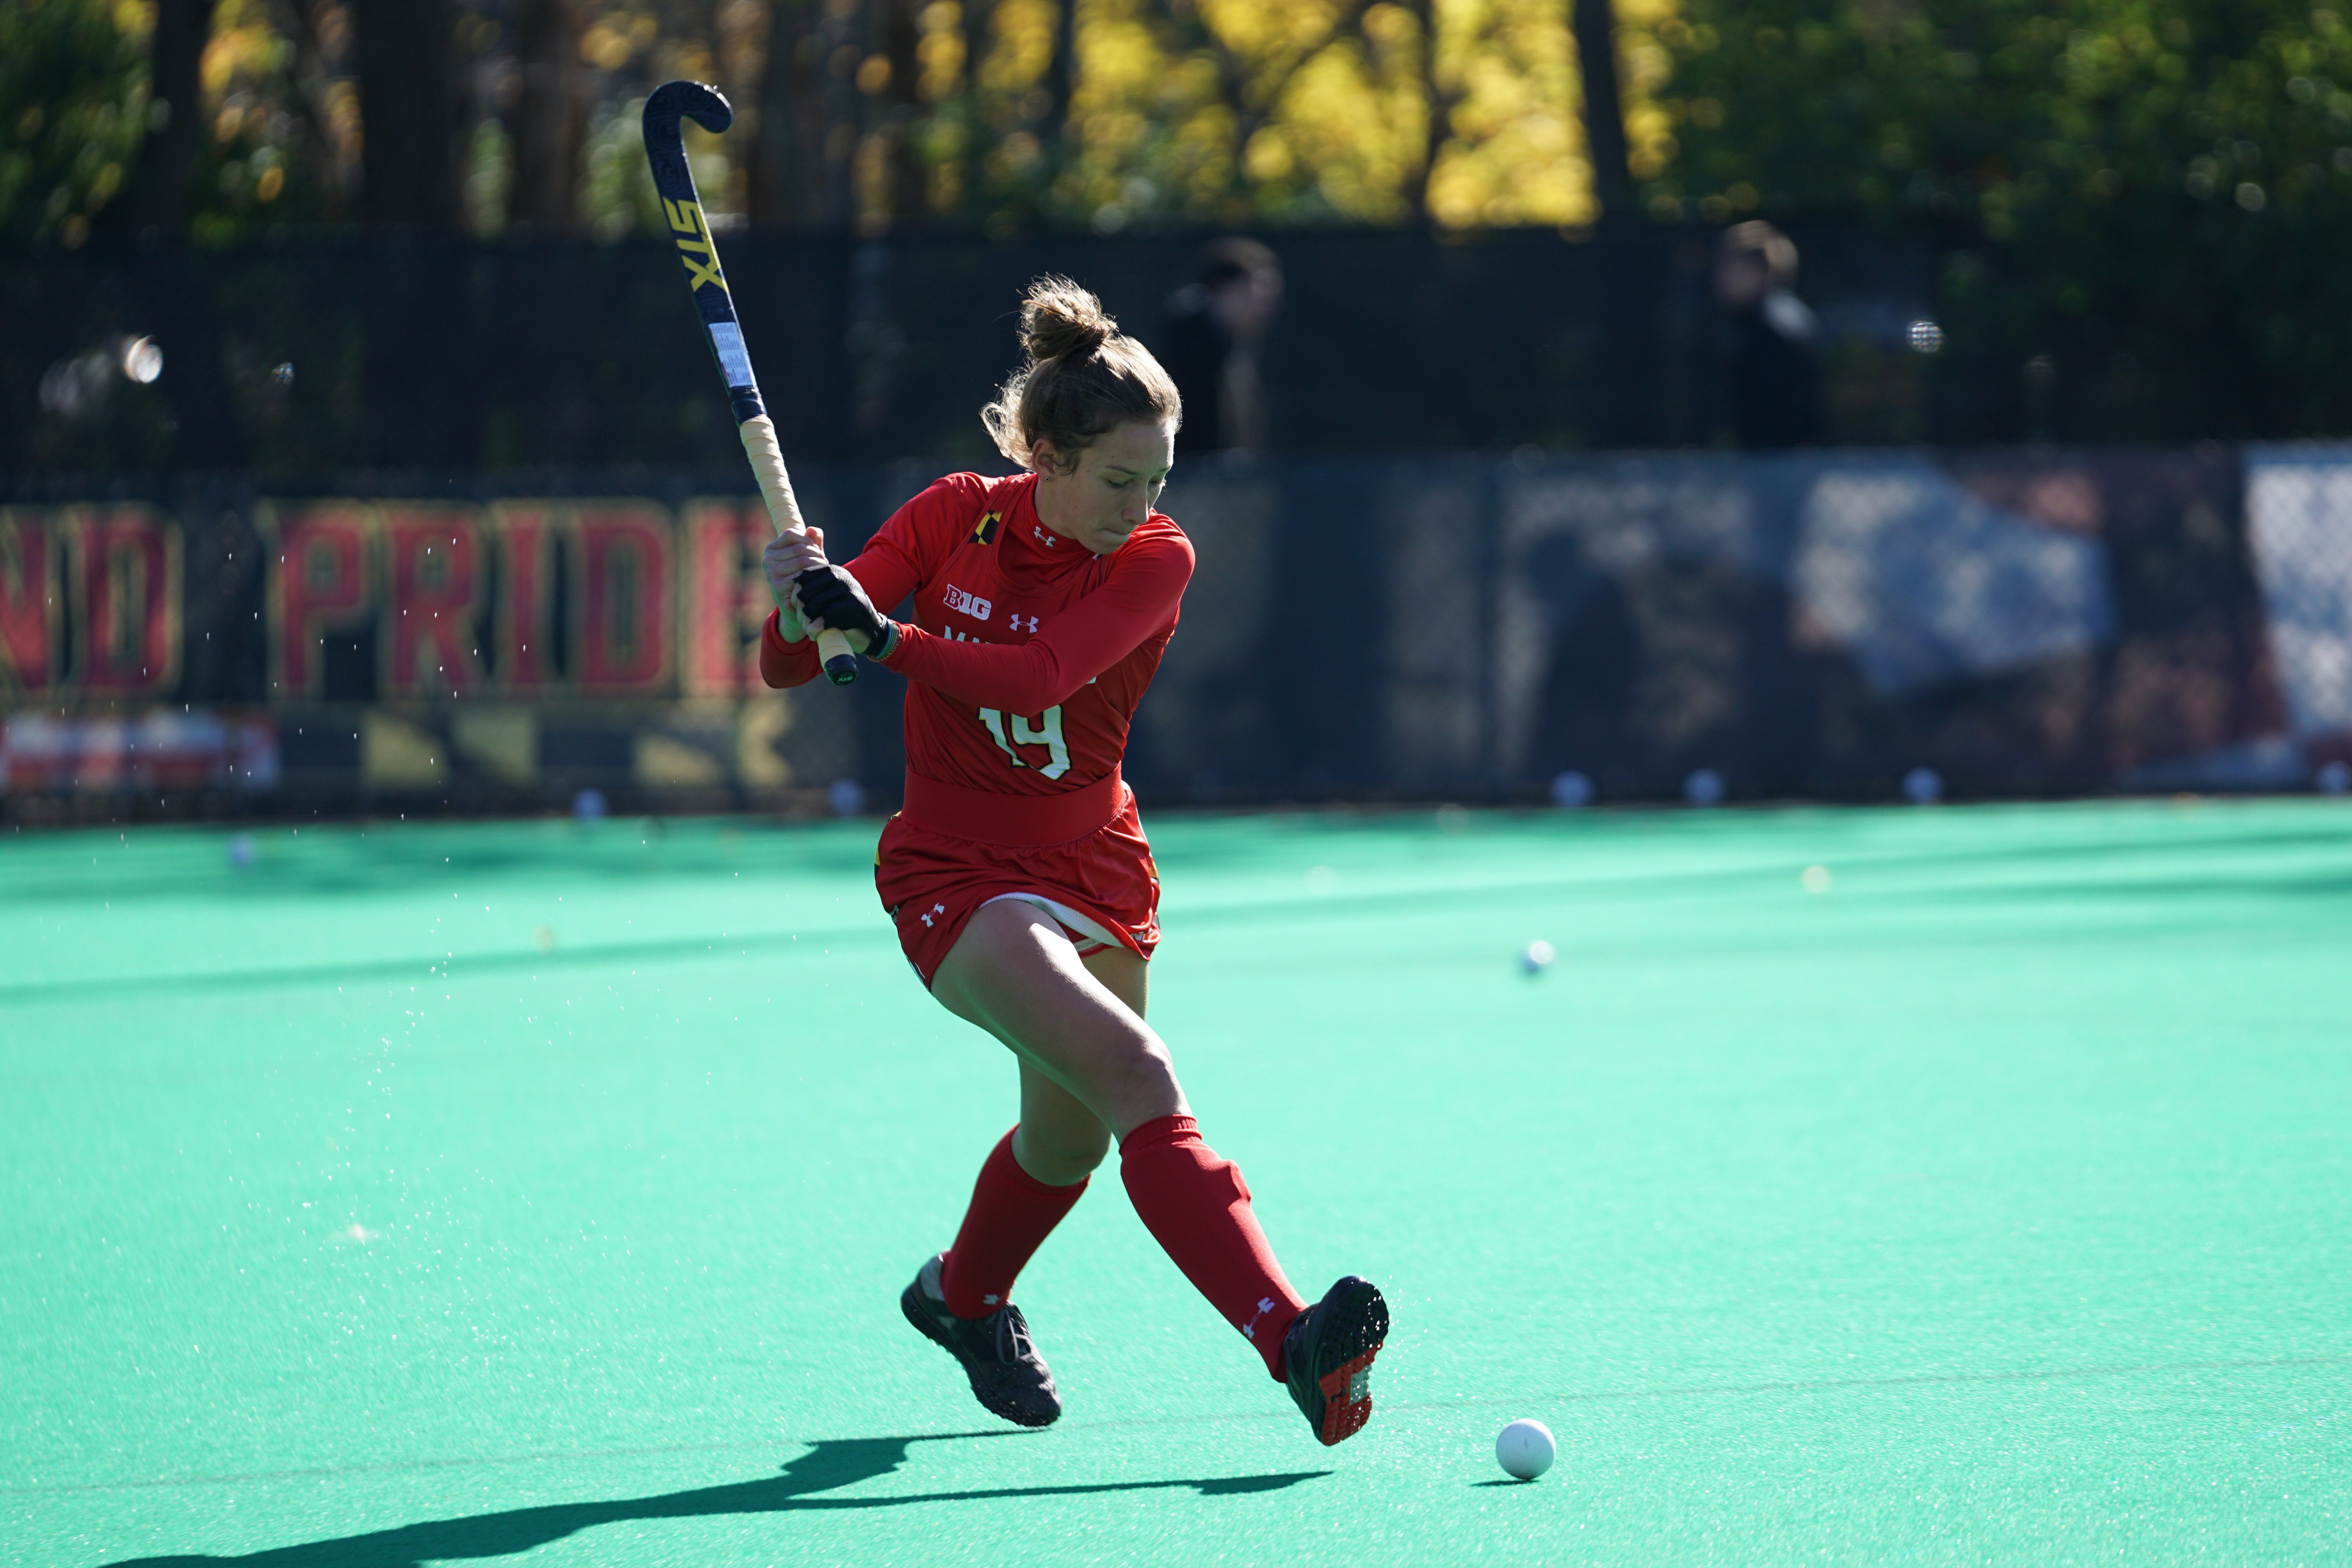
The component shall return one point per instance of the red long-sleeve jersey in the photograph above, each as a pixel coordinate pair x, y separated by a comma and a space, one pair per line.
1028, 654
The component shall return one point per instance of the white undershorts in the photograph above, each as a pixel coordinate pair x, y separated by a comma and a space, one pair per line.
1086, 934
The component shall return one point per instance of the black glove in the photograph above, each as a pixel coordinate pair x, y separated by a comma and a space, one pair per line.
829, 594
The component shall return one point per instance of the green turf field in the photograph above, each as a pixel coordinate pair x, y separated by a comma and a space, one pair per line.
1990, 1205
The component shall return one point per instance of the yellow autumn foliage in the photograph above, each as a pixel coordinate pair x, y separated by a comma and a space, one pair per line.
1241, 109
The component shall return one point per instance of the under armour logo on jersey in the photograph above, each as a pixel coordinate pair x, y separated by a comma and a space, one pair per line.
1044, 538
1019, 628
936, 910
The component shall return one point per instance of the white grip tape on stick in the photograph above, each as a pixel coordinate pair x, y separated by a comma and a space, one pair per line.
768, 462
784, 511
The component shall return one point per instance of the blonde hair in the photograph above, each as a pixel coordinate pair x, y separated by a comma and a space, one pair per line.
1081, 377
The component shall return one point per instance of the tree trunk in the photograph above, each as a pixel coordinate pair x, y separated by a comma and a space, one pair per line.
785, 171
975, 17
157, 194
902, 36
841, 37
1061, 82
1604, 116
411, 149
977, 133
1434, 106
551, 116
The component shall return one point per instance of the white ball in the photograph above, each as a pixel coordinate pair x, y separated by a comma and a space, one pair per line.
1525, 1448
1537, 957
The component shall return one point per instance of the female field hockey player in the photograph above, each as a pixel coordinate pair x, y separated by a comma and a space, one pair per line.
1018, 875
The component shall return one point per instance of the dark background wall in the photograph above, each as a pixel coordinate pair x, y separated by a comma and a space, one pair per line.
388, 350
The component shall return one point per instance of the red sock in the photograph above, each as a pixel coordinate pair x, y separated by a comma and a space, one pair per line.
1198, 1208
1012, 1214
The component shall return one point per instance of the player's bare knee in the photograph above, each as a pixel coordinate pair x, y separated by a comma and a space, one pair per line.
1141, 1085
1059, 1160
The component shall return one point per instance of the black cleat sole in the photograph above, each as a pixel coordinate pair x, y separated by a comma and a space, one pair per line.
1331, 1377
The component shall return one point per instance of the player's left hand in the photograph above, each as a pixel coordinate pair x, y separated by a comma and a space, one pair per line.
786, 557
831, 599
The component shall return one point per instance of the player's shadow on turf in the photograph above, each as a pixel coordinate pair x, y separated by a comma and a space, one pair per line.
827, 1466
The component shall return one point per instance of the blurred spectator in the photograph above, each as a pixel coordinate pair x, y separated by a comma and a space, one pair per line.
1769, 340
1210, 341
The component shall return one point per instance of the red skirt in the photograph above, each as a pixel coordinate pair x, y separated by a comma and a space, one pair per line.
931, 882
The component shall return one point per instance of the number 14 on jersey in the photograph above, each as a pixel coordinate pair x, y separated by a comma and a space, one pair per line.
1048, 735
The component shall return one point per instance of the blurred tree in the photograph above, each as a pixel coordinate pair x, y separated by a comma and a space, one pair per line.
1605, 117
2165, 185
785, 160
895, 187
263, 127
550, 117
414, 144
73, 109
1462, 111
281, 138
857, 113
156, 194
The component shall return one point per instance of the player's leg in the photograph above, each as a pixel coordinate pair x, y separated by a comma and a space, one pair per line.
1126, 976
961, 1298
1013, 973
1059, 1140
1029, 1182
1033, 1177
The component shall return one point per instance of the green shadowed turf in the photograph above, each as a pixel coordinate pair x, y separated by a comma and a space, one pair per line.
1990, 1206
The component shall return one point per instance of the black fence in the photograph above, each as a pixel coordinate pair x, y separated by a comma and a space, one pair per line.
1845, 626
382, 351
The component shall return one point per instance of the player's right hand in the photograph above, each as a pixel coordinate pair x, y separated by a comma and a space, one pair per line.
787, 556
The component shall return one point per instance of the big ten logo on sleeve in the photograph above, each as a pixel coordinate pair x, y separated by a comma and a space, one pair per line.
968, 603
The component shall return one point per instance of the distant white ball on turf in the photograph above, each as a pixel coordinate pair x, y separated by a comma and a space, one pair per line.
1525, 1448
1537, 957
241, 851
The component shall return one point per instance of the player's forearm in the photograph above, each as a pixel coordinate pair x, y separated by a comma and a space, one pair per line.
1028, 678
785, 664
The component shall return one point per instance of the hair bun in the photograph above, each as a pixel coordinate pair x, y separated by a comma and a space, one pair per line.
1059, 319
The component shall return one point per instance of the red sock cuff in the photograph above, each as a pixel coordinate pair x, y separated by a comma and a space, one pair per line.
1160, 1130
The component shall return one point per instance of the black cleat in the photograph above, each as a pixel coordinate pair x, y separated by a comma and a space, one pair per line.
1327, 1358
1008, 1377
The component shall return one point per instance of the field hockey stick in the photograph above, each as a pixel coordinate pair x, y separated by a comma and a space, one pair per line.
674, 181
